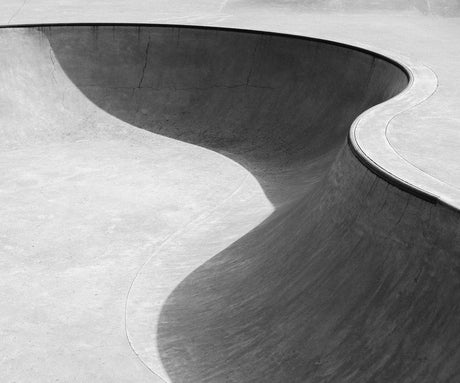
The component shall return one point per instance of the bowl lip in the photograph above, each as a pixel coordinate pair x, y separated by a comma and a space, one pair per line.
215, 28
413, 94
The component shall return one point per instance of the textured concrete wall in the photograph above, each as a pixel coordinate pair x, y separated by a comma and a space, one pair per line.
355, 283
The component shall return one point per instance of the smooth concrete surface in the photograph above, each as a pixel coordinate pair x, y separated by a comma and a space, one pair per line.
182, 205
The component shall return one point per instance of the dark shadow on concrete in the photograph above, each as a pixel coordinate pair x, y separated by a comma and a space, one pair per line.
281, 106
348, 285
345, 282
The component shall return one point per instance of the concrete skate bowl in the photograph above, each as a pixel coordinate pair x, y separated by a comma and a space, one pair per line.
346, 278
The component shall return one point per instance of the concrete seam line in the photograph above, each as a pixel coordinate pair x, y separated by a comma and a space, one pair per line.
156, 252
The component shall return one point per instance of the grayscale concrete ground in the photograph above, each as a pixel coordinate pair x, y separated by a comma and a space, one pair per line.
196, 201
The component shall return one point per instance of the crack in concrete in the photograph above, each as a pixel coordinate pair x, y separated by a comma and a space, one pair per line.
17, 12
403, 213
222, 5
146, 60
248, 78
53, 72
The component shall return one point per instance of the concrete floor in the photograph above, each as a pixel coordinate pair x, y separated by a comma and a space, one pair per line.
182, 205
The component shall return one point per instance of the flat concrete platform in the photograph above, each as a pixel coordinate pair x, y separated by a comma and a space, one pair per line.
190, 204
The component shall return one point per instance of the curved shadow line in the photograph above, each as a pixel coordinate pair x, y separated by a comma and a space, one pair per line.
412, 107
403, 103
352, 139
155, 253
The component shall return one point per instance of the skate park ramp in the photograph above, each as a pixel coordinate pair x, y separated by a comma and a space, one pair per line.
182, 204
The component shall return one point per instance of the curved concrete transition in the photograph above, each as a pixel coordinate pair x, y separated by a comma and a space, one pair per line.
182, 204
